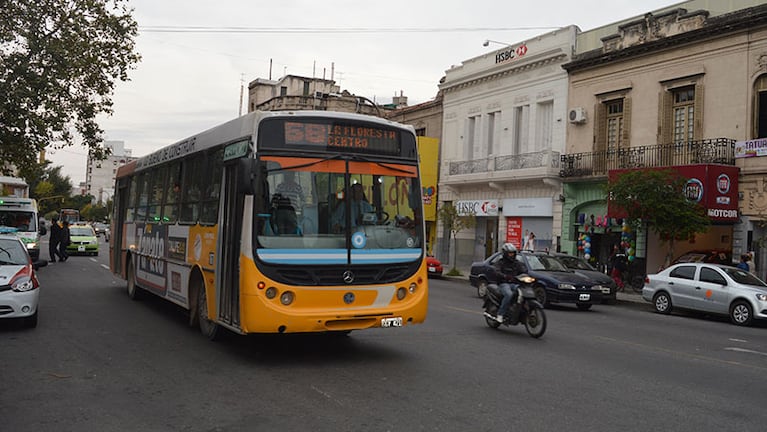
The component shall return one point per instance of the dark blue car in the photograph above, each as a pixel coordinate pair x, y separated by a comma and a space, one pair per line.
554, 282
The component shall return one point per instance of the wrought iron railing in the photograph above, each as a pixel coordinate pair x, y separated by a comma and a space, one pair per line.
505, 163
594, 164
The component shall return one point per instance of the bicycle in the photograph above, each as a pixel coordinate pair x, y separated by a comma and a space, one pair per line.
633, 279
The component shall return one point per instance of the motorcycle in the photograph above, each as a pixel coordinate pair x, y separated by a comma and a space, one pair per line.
525, 309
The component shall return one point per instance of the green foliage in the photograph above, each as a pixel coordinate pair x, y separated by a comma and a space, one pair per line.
656, 198
60, 62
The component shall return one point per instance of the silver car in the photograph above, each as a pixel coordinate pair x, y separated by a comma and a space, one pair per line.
713, 288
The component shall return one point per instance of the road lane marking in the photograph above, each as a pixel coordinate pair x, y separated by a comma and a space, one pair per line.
682, 353
738, 340
743, 350
105, 266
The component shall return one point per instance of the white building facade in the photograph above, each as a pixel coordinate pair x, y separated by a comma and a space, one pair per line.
100, 174
504, 122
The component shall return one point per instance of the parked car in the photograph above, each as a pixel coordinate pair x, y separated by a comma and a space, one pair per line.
554, 282
580, 266
713, 288
19, 287
83, 240
434, 265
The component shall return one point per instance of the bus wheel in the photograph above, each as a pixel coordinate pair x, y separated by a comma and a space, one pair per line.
207, 327
134, 292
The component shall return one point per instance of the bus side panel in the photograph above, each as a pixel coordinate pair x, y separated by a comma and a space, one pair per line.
320, 309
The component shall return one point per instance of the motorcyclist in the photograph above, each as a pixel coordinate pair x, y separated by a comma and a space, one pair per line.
507, 269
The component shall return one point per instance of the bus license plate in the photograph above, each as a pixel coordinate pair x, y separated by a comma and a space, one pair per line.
391, 322
584, 297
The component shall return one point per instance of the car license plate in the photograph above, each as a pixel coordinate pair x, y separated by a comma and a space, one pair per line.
391, 322
80, 248
432, 269
584, 297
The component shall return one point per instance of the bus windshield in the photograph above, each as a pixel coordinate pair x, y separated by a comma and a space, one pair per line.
317, 211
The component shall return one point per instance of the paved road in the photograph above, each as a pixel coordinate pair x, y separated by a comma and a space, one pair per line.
99, 361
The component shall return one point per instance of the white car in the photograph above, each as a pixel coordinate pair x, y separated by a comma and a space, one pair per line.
19, 287
713, 288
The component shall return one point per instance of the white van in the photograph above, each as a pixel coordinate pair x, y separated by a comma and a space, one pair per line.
18, 216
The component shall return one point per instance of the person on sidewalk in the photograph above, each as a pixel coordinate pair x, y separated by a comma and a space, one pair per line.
618, 264
55, 239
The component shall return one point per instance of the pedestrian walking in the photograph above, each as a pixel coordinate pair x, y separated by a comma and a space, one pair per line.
751, 264
743, 264
55, 239
65, 240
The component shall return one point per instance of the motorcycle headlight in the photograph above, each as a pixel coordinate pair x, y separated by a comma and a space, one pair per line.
566, 286
23, 284
761, 297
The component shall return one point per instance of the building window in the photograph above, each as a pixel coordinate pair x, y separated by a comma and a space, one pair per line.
760, 108
614, 124
420, 132
306, 88
684, 114
283, 91
521, 129
472, 141
544, 125
681, 114
493, 124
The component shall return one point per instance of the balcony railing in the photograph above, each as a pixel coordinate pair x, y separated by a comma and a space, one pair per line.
504, 163
594, 164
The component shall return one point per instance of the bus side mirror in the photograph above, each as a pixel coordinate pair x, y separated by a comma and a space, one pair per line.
246, 175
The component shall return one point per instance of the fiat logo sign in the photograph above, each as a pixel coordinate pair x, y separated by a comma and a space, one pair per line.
723, 183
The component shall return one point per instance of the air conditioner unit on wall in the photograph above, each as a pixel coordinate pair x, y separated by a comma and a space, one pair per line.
577, 115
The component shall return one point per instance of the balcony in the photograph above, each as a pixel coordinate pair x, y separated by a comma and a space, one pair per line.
543, 159
597, 164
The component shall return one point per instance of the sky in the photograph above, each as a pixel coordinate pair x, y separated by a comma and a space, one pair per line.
188, 82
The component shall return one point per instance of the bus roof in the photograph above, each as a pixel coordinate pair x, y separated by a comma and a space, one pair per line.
243, 127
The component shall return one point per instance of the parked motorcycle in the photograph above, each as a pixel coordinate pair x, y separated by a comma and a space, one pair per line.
526, 309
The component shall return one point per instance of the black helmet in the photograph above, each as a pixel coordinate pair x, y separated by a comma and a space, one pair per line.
508, 249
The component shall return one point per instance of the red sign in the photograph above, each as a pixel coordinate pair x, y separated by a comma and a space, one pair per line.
514, 231
715, 187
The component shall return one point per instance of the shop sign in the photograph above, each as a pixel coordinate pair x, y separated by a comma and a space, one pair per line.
715, 187
477, 207
751, 148
514, 231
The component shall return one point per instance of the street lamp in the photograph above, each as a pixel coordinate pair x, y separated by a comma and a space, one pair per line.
487, 42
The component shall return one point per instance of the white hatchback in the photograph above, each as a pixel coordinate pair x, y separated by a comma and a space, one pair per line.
713, 288
19, 287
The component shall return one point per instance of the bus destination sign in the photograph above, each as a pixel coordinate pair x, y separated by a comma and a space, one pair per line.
347, 138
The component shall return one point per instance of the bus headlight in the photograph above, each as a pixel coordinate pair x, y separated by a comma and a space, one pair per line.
287, 298
413, 286
401, 292
271, 292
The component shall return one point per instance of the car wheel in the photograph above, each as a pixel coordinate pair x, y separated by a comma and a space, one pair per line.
134, 292
31, 321
583, 306
481, 288
662, 303
540, 295
741, 313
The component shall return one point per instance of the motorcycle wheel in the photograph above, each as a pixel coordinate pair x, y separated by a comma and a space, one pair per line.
535, 322
491, 322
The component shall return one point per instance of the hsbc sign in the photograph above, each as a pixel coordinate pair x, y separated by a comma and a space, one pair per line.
477, 207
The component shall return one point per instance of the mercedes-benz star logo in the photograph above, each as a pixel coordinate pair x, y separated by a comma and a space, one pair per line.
348, 276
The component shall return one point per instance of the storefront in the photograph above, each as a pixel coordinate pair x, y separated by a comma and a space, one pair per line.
528, 223
485, 239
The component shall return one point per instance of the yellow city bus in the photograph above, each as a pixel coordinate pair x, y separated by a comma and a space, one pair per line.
278, 222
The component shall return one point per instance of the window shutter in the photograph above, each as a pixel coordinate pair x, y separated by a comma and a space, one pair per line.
626, 122
697, 131
600, 127
665, 117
